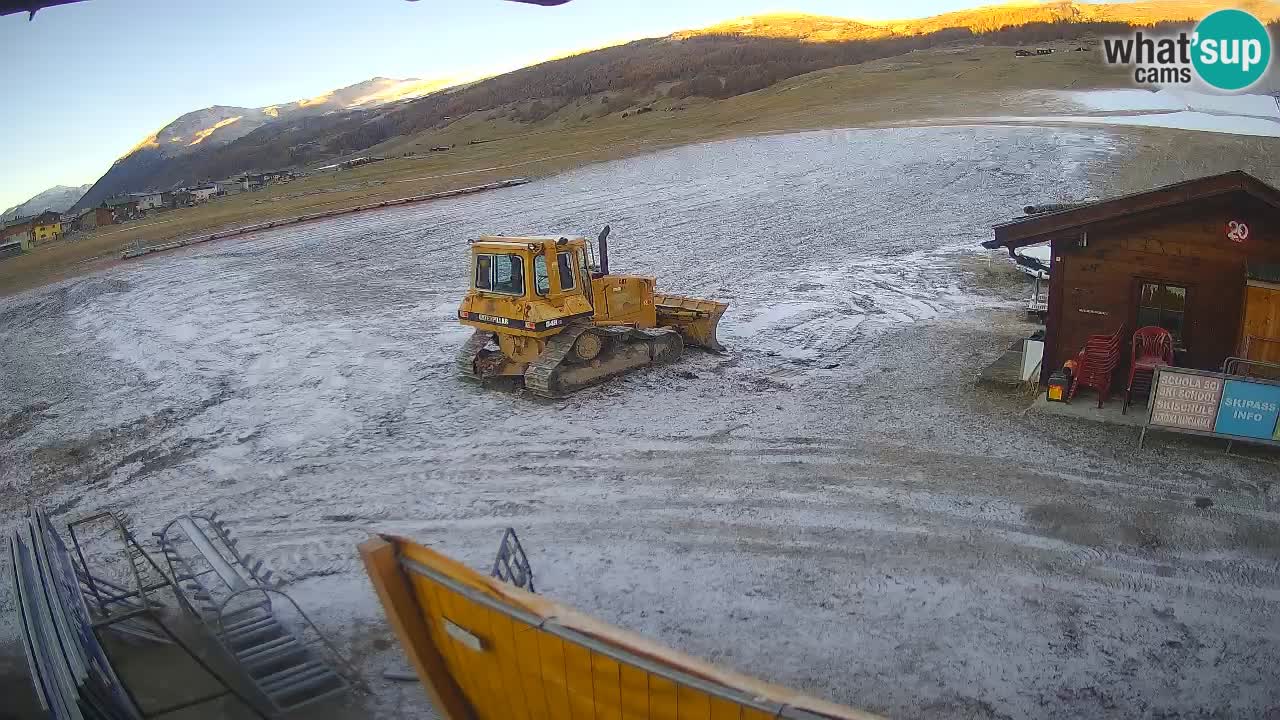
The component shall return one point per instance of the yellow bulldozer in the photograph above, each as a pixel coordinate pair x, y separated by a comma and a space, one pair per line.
546, 312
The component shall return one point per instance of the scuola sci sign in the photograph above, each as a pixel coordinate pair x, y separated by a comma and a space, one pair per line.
1215, 404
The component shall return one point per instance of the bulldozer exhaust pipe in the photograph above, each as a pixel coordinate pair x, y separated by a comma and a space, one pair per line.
603, 242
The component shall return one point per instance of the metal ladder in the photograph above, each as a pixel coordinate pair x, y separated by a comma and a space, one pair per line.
128, 604
231, 592
131, 595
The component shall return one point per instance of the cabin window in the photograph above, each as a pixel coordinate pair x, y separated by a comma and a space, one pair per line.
541, 281
508, 274
484, 272
500, 274
1165, 306
564, 261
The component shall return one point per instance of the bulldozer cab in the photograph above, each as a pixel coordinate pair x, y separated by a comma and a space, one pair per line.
529, 267
527, 285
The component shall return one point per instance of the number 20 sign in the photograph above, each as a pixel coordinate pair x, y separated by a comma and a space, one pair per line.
1237, 231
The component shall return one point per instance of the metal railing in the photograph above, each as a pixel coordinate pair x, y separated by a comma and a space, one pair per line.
1246, 367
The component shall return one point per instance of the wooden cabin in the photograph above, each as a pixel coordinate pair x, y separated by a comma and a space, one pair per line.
1199, 258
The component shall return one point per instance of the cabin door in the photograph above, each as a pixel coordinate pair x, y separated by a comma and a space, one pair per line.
1260, 330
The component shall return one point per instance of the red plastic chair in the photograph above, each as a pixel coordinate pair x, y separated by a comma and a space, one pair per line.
1152, 348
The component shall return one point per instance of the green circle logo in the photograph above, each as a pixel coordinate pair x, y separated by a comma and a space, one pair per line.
1232, 49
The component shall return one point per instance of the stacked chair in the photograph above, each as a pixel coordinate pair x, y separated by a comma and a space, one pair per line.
1152, 348
1096, 365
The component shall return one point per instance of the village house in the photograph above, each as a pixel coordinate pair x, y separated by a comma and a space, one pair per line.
203, 192
46, 226
148, 200
253, 181
272, 176
1199, 259
190, 197
21, 234
91, 218
13, 245
123, 208
16, 226
40, 228
15, 237
70, 223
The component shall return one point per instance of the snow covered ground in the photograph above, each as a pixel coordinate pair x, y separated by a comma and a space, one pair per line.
1176, 99
1246, 114
831, 506
1182, 120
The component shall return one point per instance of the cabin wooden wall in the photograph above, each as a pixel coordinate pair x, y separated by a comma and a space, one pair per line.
1097, 285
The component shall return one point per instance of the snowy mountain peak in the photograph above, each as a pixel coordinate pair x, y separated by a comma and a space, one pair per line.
58, 198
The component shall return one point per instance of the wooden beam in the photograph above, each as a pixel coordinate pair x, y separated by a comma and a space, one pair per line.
1052, 359
406, 619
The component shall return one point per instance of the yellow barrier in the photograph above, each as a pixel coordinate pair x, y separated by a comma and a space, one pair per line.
486, 650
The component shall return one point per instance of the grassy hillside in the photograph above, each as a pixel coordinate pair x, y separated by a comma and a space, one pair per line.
979, 20
945, 82
718, 62
995, 17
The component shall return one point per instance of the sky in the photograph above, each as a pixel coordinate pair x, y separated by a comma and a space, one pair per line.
83, 83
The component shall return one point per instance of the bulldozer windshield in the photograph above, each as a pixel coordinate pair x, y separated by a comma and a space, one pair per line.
541, 281
500, 273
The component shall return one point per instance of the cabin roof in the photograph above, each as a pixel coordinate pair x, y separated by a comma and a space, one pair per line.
1032, 229
522, 239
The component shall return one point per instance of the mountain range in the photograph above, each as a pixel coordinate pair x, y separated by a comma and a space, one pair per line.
719, 61
203, 132
57, 198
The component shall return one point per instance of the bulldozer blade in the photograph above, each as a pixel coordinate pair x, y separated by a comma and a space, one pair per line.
695, 319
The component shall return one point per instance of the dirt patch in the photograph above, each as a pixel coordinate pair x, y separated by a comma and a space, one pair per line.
1262, 537
18, 423
58, 301
1146, 530
995, 272
138, 448
1075, 523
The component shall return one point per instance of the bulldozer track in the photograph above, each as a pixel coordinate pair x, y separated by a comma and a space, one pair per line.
470, 351
664, 345
537, 377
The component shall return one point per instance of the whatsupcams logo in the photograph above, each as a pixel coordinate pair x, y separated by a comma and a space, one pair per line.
1229, 50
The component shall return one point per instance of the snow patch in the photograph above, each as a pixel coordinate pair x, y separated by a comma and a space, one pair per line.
1185, 120
1176, 99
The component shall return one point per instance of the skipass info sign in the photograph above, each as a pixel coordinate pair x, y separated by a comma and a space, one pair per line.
1210, 403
